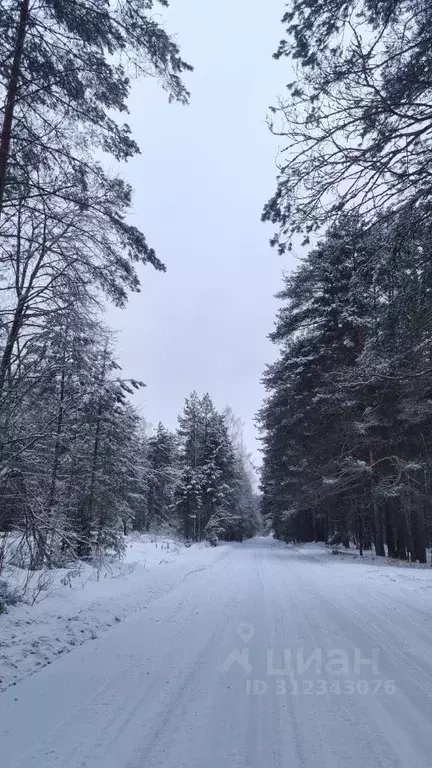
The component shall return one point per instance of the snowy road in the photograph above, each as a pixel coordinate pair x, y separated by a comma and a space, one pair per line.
270, 657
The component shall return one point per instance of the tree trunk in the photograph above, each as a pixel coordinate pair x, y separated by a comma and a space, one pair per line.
89, 512
389, 531
377, 517
378, 530
401, 549
360, 527
419, 536
11, 97
57, 446
12, 337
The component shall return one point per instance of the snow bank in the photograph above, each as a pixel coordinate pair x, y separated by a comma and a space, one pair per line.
67, 607
412, 580
319, 549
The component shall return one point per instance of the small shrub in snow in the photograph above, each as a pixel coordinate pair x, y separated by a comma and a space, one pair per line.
8, 596
38, 586
123, 570
66, 580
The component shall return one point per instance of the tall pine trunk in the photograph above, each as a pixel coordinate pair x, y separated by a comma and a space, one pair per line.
419, 536
12, 337
378, 530
401, 541
389, 531
11, 96
56, 459
377, 516
88, 507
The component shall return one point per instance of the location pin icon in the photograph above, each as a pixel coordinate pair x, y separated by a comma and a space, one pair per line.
245, 632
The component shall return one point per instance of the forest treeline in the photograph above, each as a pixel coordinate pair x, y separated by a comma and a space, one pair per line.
347, 422
77, 468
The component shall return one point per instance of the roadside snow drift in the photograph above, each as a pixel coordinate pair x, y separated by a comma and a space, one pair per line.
71, 606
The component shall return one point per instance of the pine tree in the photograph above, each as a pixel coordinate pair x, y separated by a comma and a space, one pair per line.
356, 118
65, 71
214, 494
161, 457
73, 468
342, 453
187, 495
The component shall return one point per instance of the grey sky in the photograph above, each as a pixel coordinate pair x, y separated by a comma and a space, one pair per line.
200, 184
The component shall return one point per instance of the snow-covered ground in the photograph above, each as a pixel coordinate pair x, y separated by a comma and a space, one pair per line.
67, 607
263, 656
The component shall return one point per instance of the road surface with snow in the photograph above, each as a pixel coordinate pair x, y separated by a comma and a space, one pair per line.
267, 657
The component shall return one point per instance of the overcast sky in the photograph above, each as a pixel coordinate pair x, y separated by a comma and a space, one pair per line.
200, 183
